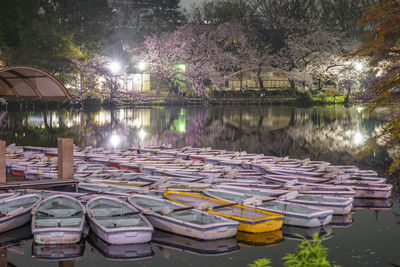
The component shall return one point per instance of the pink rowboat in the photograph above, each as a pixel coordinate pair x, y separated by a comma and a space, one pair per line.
58, 219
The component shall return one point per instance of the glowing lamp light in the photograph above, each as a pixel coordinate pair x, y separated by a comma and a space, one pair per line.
141, 65
181, 67
182, 127
115, 140
142, 134
114, 67
358, 138
358, 66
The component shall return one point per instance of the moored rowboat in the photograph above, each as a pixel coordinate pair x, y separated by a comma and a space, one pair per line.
251, 219
16, 211
117, 222
177, 218
337, 204
294, 214
58, 219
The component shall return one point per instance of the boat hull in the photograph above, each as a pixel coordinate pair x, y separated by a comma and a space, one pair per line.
304, 221
12, 221
57, 236
163, 223
121, 237
261, 227
338, 208
120, 252
15, 222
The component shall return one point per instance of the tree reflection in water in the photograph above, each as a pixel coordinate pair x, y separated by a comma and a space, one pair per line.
330, 134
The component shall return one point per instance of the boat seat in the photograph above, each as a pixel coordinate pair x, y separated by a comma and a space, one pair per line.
110, 211
60, 212
58, 222
155, 206
121, 222
194, 217
12, 205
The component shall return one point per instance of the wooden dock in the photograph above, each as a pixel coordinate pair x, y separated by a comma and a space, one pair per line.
38, 184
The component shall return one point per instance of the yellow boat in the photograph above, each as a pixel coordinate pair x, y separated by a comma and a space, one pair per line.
251, 220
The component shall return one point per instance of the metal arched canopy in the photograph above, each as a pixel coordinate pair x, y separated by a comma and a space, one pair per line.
32, 83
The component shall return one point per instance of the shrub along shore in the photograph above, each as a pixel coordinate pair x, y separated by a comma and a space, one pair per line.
246, 97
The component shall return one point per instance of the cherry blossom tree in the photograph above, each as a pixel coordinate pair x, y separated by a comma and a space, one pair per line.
209, 53
96, 80
310, 51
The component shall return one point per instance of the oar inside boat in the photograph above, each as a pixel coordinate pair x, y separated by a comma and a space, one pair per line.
197, 180
284, 196
225, 205
126, 214
86, 195
43, 213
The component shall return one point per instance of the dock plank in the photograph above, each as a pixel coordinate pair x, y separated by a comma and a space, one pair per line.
35, 184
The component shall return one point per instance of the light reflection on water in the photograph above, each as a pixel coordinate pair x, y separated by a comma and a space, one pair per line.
320, 133
323, 133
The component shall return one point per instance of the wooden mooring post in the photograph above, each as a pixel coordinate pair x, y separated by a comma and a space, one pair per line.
65, 158
3, 257
3, 177
66, 263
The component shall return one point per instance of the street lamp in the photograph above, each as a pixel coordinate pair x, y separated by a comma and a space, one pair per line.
142, 134
141, 66
115, 140
359, 66
114, 67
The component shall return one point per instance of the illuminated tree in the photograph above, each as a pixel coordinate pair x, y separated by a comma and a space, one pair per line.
209, 53
309, 51
382, 51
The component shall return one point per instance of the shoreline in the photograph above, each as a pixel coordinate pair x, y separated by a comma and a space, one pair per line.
14, 104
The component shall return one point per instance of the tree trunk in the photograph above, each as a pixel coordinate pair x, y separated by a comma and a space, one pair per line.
158, 87
292, 85
241, 80
259, 77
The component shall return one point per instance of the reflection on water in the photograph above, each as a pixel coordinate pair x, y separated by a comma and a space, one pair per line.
14, 236
324, 133
58, 252
164, 240
267, 239
127, 252
292, 232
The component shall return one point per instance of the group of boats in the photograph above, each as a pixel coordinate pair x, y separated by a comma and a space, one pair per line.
194, 193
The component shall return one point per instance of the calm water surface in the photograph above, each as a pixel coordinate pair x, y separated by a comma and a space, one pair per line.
370, 238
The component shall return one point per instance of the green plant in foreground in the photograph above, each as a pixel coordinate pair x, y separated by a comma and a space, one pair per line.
309, 254
263, 262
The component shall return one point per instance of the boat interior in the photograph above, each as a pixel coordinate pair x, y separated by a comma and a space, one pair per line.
105, 209
18, 203
59, 212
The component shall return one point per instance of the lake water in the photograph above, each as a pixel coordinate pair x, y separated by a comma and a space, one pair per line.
369, 238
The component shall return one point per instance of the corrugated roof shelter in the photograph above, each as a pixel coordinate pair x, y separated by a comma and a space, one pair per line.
31, 83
